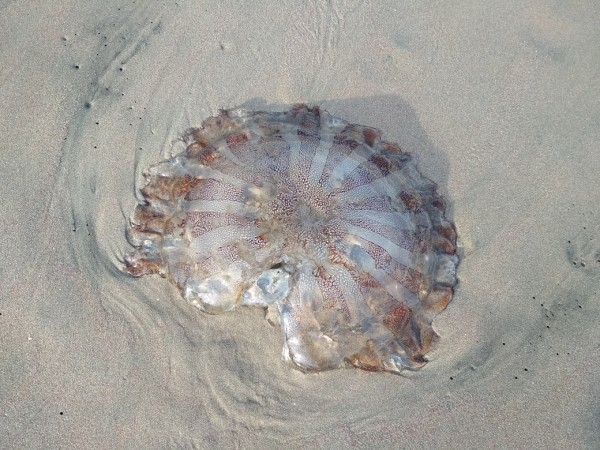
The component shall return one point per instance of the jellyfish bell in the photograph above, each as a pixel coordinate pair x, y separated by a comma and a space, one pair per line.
330, 228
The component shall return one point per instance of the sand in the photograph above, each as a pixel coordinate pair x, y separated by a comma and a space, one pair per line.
498, 101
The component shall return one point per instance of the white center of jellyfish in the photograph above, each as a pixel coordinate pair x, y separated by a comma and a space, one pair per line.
309, 218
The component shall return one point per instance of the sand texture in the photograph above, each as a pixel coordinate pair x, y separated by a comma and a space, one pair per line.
498, 101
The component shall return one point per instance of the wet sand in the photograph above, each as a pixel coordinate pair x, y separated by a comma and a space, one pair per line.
499, 103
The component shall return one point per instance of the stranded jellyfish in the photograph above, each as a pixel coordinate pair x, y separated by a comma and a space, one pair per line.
329, 228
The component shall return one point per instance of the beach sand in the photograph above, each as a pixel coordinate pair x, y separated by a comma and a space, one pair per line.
498, 101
